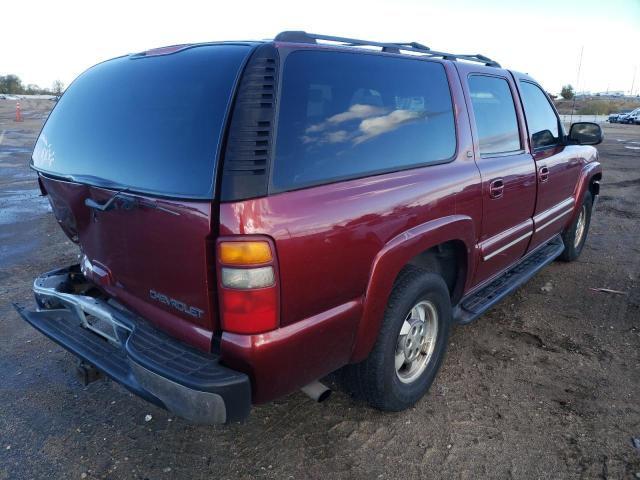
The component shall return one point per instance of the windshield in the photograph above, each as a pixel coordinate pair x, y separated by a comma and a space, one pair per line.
149, 124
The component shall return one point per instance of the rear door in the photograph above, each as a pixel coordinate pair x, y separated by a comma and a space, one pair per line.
558, 165
128, 157
506, 167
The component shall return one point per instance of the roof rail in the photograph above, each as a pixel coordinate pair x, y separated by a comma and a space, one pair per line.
391, 47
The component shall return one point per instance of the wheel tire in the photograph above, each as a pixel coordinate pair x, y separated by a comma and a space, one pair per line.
376, 379
573, 247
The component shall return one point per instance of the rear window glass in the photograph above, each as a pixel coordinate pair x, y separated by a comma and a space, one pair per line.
345, 115
152, 124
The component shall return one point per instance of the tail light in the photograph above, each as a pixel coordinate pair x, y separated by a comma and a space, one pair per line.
248, 286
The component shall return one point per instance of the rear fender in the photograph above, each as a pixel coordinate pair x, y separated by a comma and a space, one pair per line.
393, 257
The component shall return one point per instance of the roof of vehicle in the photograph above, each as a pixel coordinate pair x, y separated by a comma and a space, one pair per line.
331, 42
312, 40
411, 48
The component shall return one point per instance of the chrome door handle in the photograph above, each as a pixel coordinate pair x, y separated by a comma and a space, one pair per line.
543, 173
496, 188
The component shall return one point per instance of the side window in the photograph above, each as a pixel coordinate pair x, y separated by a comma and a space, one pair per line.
541, 119
345, 115
495, 115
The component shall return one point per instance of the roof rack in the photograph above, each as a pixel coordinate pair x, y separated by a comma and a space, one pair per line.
391, 47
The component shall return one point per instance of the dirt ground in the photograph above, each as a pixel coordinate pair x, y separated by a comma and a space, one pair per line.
546, 385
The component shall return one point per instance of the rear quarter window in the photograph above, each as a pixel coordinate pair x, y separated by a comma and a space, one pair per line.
346, 115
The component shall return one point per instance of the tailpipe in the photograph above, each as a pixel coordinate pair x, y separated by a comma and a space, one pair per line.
317, 391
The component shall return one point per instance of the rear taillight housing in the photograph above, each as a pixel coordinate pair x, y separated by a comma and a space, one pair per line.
248, 285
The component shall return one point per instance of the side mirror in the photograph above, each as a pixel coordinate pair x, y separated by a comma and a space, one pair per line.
585, 133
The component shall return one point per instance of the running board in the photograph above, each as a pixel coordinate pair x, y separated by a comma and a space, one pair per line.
478, 302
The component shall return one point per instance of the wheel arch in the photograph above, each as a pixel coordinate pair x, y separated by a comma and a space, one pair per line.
453, 235
588, 181
449, 260
594, 184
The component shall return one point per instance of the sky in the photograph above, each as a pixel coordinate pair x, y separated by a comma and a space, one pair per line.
41, 41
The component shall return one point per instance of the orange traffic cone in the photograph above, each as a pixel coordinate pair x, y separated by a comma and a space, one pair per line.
18, 112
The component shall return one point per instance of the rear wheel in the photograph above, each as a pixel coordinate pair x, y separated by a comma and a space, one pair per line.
411, 344
575, 235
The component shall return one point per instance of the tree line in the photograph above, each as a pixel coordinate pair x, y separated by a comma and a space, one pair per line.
11, 84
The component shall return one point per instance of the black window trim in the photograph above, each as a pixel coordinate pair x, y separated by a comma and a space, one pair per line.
561, 133
284, 54
509, 153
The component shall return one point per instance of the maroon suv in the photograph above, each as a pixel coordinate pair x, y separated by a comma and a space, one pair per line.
252, 216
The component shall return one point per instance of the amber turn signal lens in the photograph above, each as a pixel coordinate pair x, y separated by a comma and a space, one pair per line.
244, 253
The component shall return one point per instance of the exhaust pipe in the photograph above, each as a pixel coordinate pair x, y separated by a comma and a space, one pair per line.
317, 391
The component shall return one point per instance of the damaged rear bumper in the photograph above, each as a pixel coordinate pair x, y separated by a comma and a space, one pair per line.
187, 382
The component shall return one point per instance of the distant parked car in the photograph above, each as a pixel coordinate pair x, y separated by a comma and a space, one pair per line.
3, 97
615, 117
629, 117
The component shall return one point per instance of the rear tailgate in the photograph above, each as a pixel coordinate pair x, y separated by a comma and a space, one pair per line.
128, 158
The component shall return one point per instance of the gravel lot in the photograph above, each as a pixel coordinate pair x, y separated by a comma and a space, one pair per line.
546, 385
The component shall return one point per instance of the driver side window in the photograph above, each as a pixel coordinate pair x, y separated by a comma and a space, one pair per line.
541, 118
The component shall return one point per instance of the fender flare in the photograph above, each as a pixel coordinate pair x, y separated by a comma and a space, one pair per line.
587, 173
393, 257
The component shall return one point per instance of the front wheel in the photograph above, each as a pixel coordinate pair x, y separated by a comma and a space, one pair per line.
575, 236
411, 343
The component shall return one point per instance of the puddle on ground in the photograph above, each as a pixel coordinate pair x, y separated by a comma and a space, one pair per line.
9, 251
21, 205
6, 150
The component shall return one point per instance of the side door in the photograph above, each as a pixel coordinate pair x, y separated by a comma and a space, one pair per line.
506, 167
558, 165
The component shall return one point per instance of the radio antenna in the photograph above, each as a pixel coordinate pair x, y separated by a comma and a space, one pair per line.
573, 108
